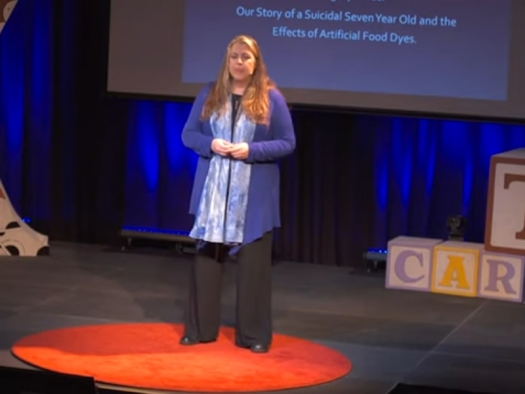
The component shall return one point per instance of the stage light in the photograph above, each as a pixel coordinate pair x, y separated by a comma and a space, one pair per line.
456, 227
181, 239
373, 257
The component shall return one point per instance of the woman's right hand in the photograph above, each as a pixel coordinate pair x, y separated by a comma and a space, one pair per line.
220, 146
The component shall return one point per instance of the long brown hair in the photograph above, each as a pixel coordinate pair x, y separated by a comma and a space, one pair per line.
255, 101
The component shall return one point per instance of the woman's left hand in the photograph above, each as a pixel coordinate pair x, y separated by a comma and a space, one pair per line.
240, 151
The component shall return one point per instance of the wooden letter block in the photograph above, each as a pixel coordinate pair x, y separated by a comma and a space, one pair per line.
409, 262
505, 219
455, 268
501, 276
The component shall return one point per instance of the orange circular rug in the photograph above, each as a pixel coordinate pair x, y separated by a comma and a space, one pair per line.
149, 356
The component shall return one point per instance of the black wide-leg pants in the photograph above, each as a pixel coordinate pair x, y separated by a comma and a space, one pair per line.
253, 312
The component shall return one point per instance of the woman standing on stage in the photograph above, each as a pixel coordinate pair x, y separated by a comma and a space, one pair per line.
240, 125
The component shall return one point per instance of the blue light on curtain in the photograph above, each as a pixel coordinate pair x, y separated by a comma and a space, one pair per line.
148, 141
426, 153
12, 85
39, 109
175, 116
159, 169
402, 147
26, 81
435, 168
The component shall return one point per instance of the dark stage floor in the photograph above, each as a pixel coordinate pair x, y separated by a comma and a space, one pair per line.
390, 336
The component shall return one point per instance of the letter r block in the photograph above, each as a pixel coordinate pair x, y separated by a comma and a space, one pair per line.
505, 219
455, 268
501, 276
409, 263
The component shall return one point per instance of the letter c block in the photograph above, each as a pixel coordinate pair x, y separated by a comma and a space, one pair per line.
409, 263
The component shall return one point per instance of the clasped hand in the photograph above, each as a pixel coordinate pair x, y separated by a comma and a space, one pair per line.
224, 148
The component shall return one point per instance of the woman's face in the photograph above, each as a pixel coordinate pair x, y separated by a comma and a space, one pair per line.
242, 62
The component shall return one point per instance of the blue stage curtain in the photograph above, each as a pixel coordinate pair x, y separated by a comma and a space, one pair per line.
26, 97
82, 165
159, 169
62, 144
356, 182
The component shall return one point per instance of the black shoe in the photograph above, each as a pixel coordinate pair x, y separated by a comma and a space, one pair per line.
259, 348
187, 341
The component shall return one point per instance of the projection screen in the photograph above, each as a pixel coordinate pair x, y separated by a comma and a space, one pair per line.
444, 57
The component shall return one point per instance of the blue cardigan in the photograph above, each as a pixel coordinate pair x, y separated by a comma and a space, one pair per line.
270, 142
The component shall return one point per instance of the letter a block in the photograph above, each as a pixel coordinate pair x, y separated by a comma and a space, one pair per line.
501, 276
409, 263
455, 268
505, 219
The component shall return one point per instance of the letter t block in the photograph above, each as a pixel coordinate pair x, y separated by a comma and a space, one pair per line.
501, 276
505, 219
409, 263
